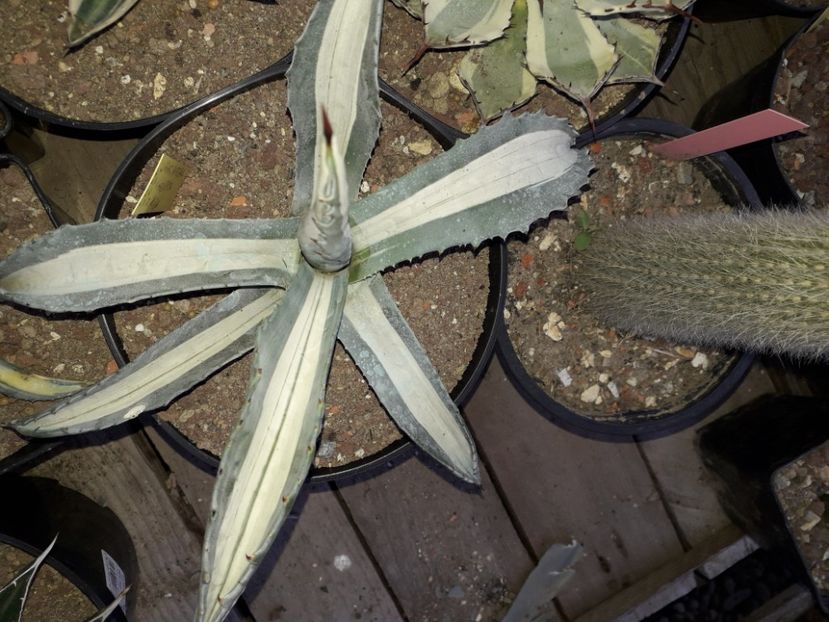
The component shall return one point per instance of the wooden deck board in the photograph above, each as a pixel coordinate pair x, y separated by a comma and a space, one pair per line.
561, 486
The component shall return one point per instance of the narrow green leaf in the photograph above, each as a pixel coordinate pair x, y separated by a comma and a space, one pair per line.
13, 594
654, 9
270, 452
168, 368
335, 69
582, 240
453, 23
500, 180
637, 46
566, 49
496, 74
23, 385
581, 217
107, 263
399, 371
89, 17
104, 613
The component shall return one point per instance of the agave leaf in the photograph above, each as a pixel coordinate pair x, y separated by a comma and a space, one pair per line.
270, 452
566, 48
165, 370
546, 580
500, 180
400, 373
496, 74
104, 613
654, 9
89, 17
23, 385
13, 594
412, 7
453, 23
335, 69
107, 263
638, 47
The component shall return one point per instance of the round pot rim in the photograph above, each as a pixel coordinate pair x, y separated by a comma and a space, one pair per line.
643, 428
781, 8
443, 133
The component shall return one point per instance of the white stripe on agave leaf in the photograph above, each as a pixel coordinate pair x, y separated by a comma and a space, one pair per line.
654, 9
168, 368
335, 67
496, 74
89, 17
270, 452
452, 23
23, 385
566, 49
399, 371
498, 181
637, 46
88, 267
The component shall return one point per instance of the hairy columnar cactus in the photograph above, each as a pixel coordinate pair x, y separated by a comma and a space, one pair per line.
755, 281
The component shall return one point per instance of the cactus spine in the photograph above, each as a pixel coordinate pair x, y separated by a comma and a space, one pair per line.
755, 281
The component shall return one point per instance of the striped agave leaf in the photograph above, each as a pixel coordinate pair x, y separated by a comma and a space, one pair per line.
168, 368
638, 47
412, 7
13, 595
89, 17
107, 263
567, 49
104, 613
498, 181
270, 452
24, 385
335, 69
654, 9
453, 23
399, 371
496, 74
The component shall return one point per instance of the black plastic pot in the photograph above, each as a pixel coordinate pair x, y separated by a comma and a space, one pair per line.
121, 183
744, 450
735, 187
37, 509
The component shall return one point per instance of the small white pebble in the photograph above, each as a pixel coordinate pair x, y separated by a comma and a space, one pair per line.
364, 187
565, 377
700, 360
126, 79
590, 394
342, 562
614, 390
99, 49
603, 378
650, 401
632, 381
139, 328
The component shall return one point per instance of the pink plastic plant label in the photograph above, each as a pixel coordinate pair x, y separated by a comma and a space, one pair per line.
748, 129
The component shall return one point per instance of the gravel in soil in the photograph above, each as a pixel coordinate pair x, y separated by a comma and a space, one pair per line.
800, 91
802, 488
67, 347
160, 56
240, 159
51, 597
592, 369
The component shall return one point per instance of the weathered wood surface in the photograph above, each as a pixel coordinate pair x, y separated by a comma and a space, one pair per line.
448, 551
561, 486
317, 570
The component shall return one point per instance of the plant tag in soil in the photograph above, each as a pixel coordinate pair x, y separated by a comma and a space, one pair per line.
160, 193
748, 129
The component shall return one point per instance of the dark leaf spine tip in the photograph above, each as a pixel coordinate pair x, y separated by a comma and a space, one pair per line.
327, 131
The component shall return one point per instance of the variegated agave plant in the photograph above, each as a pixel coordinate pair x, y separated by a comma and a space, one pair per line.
89, 17
302, 283
576, 46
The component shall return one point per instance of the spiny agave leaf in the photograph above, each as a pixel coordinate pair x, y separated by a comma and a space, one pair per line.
498, 181
111, 262
654, 9
496, 74
23, 385
335, 68
546, 580
412, 7
270, 452
89, 17
566, 48
168, 368
104, 613
13, 594
399, 371
637, 46
453, 23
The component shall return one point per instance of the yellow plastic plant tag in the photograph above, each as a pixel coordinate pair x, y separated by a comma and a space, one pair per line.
161, 190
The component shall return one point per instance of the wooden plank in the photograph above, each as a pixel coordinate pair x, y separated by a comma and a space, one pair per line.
682, 478
561, 486
788, 606
116, 473
448, 550
316, 570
